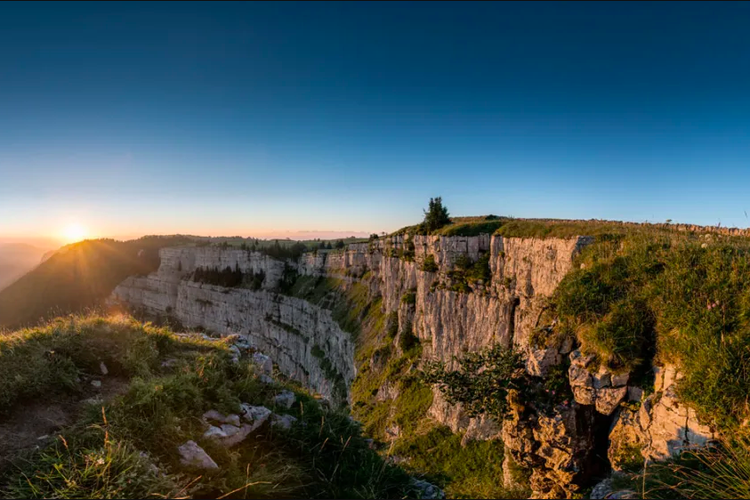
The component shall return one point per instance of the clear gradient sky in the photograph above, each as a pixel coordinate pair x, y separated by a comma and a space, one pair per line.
247, 118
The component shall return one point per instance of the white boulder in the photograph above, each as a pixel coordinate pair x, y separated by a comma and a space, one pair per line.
193, 455
285, 399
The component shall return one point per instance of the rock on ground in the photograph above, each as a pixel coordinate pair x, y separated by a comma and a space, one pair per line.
214, 432
603, 490
194, 456
264, 363
255, 415
231, 432
285, 399
219, 417
426, 490
283, 421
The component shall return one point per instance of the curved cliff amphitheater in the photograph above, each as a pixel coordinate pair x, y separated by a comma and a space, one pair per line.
630, 343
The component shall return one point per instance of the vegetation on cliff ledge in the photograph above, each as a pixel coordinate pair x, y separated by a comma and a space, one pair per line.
684, 299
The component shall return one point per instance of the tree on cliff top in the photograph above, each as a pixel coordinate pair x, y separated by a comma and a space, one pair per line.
436, 216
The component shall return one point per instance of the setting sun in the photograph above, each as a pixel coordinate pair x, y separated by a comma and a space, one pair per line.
74, 233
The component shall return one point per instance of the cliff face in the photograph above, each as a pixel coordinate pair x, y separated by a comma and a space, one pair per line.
285, 328
450, 317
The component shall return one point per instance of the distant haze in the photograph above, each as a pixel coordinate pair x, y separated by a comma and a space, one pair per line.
17, 258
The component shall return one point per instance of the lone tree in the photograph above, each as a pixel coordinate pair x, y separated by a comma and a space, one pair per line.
436, 216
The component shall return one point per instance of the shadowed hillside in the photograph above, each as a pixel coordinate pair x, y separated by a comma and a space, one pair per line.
79, 276
16, 259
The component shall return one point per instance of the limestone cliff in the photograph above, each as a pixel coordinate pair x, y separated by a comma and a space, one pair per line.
564, 448
297, 335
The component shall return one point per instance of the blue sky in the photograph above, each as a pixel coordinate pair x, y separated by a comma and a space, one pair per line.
250, 118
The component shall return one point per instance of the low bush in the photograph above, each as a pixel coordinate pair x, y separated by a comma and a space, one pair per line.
429, 265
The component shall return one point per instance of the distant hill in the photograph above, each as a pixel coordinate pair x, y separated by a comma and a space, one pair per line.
16, 259
77, 277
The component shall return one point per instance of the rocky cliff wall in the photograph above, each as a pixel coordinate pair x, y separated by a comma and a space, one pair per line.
286, 328
563, 449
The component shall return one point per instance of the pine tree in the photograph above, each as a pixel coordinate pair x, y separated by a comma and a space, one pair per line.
436, 216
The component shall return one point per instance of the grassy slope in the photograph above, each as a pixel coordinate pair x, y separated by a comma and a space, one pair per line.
77, 277
112, 449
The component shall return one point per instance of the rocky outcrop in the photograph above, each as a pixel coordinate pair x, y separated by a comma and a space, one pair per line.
602, 389
660, 429
560, 449
285, 399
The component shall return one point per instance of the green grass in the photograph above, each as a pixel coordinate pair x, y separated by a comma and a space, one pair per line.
668, 298
556, 228
412, 403
111, 450
470, 228
718, 471
51, 357
97, 468
459, 226
471, 471
409, 298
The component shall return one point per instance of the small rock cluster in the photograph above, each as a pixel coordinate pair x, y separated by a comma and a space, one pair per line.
661, 428
230, 430
604, 490
602, 389
426, 490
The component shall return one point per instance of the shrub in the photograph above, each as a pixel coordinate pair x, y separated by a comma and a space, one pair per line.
482, 381
436, 216
429, 265
465, 271
409, 298
624, 338
391, 327
408, 341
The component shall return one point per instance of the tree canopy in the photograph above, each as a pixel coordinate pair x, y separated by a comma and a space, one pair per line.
436, 216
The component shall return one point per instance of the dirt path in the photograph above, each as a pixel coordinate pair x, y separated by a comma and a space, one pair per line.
31, 424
